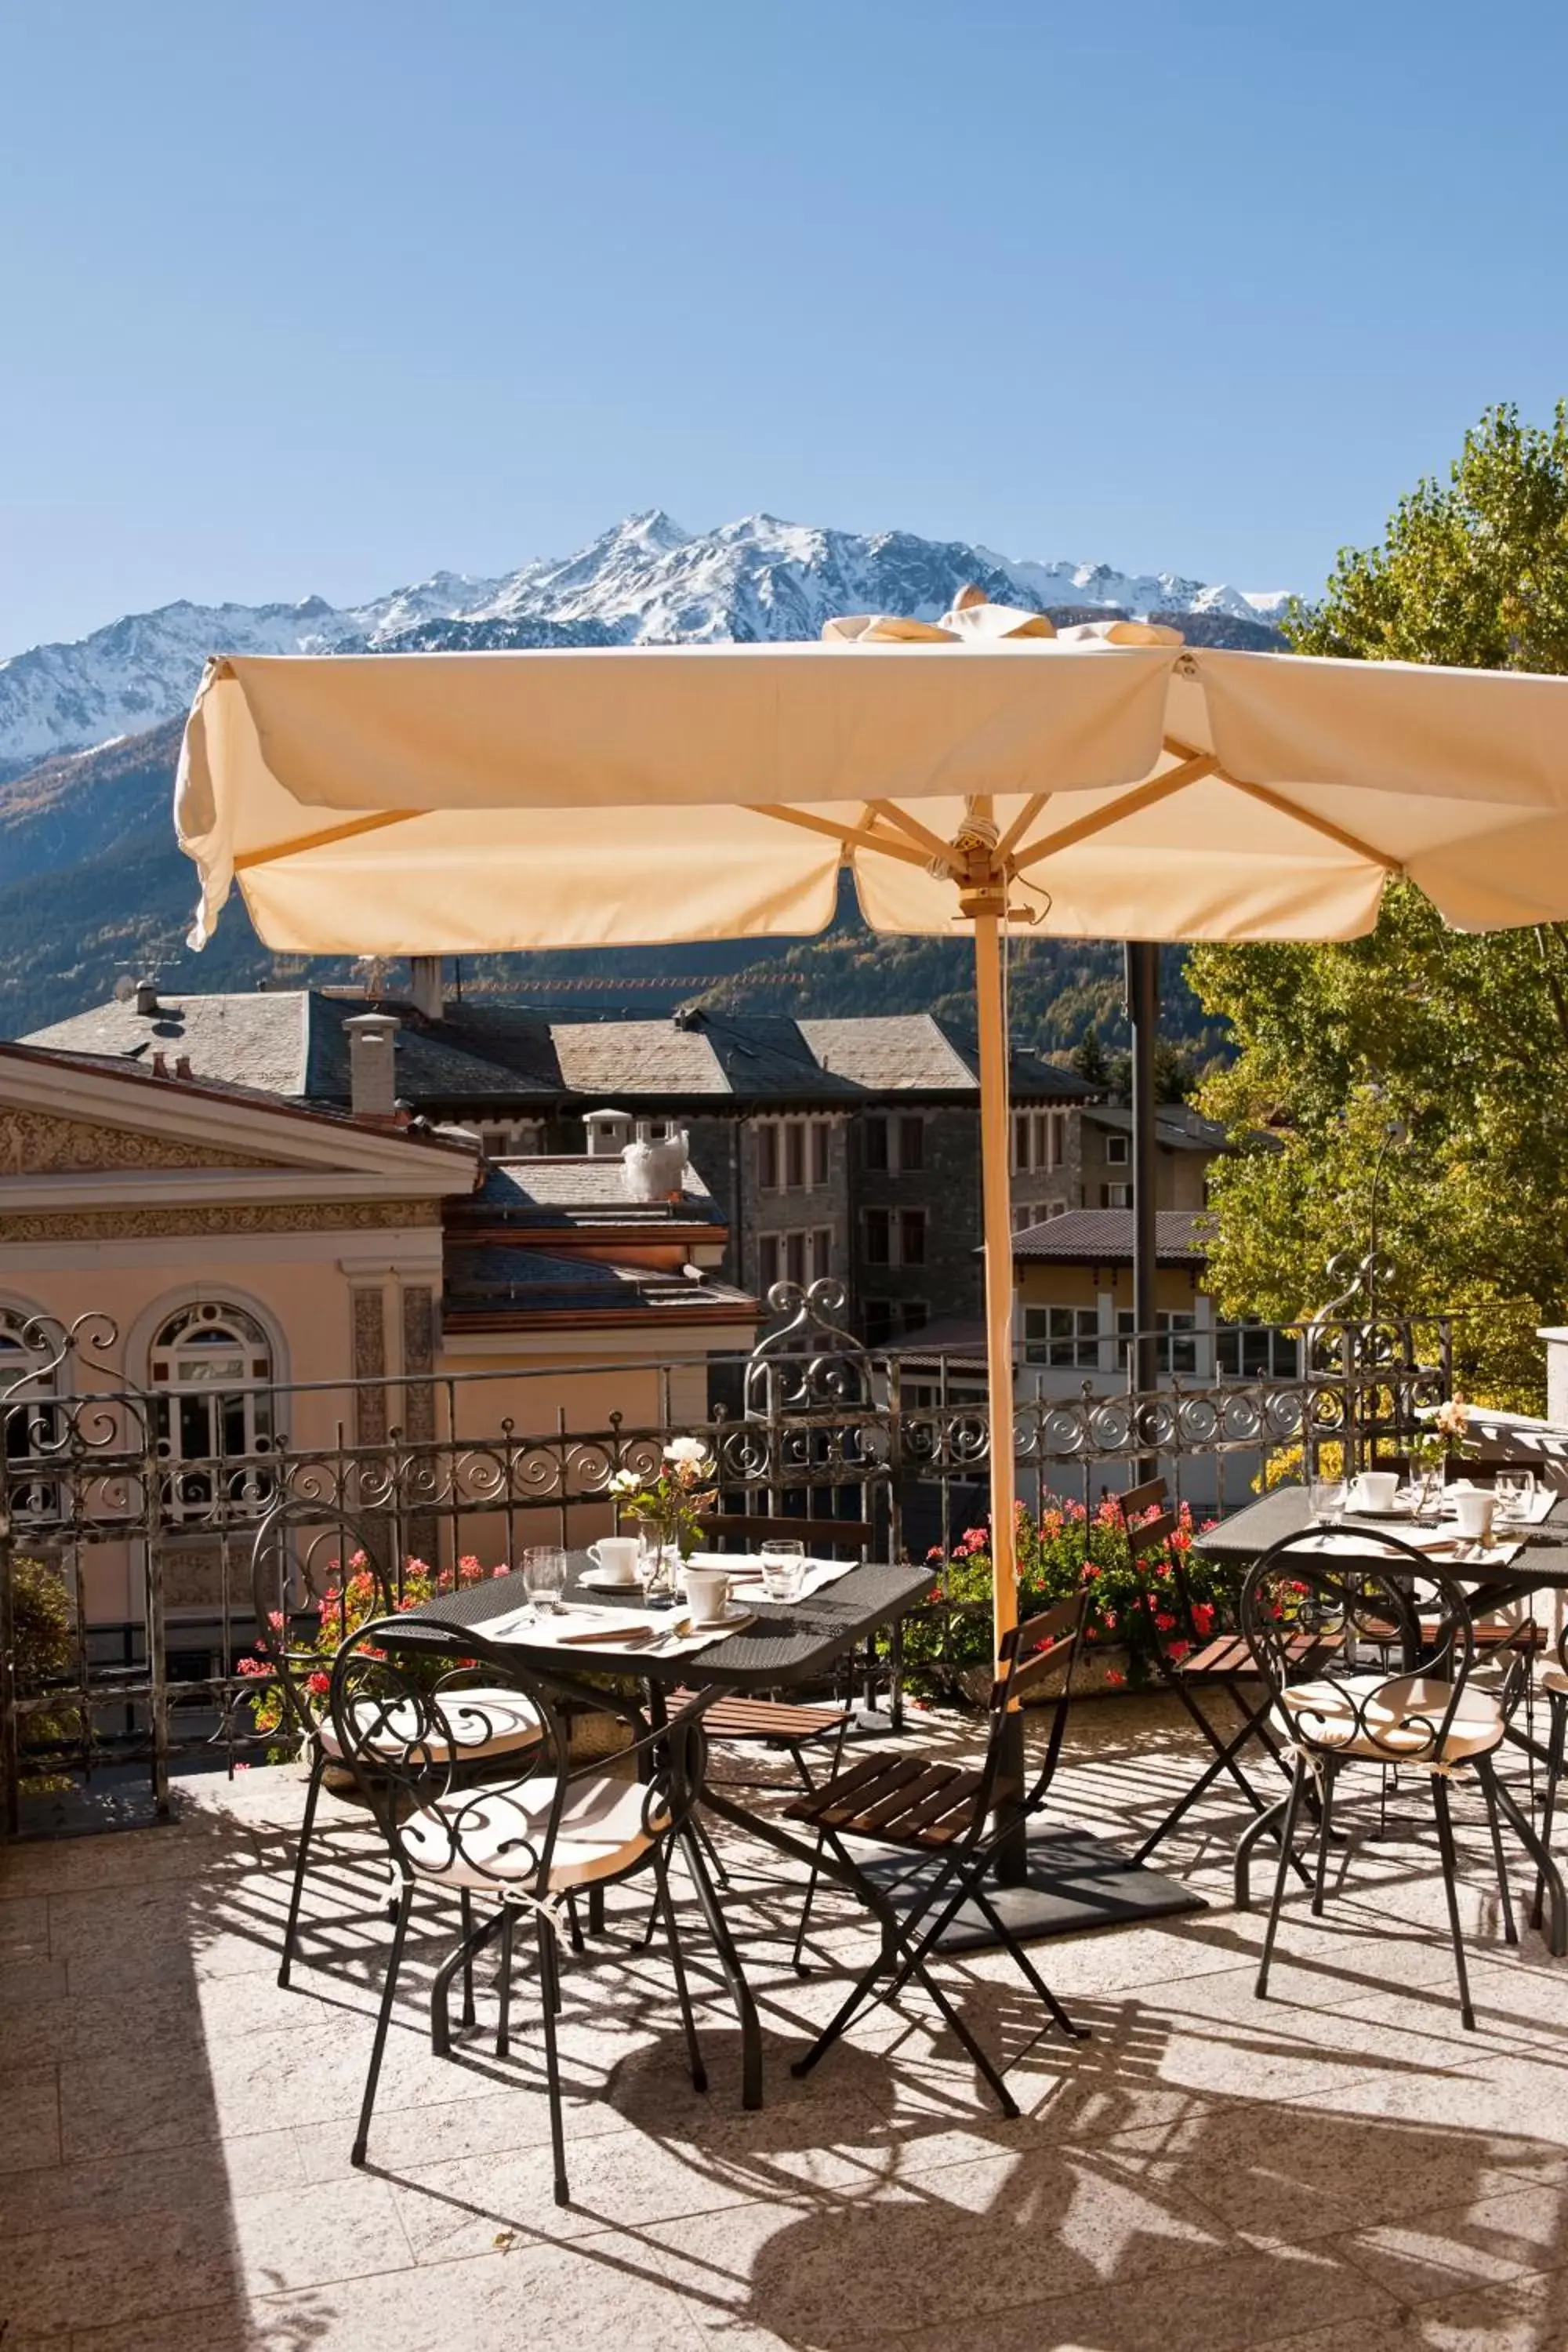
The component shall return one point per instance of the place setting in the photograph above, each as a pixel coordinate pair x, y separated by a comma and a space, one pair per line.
1462, 1522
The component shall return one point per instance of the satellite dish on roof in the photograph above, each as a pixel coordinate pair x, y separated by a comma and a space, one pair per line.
125, 989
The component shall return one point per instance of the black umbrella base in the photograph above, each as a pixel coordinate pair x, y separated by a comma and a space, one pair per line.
1073, 1882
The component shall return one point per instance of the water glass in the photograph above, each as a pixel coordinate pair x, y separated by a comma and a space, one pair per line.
1515, 1491
784, 1570
1327, 1501
543, 1574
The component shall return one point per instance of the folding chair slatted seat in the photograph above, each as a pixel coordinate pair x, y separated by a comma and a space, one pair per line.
780, 1723
945, 1814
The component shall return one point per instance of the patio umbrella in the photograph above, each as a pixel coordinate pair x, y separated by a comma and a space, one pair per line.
983, 769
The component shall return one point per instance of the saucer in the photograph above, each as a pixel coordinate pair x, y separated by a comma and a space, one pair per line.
734, 1613
601, 1580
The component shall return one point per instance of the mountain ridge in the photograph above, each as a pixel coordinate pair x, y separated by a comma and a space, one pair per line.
646, 581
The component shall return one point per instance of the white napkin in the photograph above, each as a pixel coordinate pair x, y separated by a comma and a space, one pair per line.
554, 1631
1440, 1544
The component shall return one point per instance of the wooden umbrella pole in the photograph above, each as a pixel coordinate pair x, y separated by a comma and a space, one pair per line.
986, 907
996, 1226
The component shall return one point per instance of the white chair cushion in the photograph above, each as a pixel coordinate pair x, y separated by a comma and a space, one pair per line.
1324, 1714
462, 1840
483, 1723
1552, 1678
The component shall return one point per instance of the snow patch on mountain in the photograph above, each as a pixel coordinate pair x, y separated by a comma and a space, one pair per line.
648, 581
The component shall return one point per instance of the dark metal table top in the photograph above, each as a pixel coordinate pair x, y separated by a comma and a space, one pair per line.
1237, 1542
791, 1641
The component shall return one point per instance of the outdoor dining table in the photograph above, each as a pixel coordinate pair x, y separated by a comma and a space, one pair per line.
1538, 1562
786, 1644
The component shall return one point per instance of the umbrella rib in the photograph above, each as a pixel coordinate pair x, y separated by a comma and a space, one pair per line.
1158, 788
246, 858
847, 835
930, 843
1309, 817
1020, 825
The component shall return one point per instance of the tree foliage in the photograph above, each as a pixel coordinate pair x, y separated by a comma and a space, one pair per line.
1460, 1040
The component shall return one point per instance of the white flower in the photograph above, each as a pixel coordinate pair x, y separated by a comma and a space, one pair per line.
625, 1482
685, 1449
1452, 1419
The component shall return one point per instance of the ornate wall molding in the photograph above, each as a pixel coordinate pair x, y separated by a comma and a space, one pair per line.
237, 1217
38, 1143
370, 1364
419, 1407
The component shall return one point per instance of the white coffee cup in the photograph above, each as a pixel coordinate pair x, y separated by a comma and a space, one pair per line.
707, 1593
616, 1558
1375, 1490
1473, 1510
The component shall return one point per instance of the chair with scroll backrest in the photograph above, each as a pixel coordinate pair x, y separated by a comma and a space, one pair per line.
525, 1838
316, 1573
1391, 1684
946, 1818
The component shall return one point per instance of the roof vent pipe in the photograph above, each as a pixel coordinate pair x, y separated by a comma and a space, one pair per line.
372, 1064
147, 1002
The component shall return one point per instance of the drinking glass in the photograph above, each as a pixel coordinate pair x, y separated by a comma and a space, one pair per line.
784, 1570
1327, 1501
543, 1574
1515, 1491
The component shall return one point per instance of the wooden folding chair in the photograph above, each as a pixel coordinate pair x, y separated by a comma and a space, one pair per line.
941, 1814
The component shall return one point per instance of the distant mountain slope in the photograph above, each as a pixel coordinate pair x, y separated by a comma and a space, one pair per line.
646, 581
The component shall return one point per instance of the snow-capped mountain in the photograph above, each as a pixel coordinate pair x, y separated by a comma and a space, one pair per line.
648, 581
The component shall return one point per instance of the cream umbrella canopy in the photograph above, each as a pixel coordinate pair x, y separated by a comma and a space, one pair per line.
1108, 781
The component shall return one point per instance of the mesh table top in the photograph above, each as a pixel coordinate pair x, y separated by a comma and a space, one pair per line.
1541, 1563
789, 1643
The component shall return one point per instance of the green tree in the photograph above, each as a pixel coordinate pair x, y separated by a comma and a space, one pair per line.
1461, 1040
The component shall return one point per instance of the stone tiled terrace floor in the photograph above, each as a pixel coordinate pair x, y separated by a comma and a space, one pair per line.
1343, 2166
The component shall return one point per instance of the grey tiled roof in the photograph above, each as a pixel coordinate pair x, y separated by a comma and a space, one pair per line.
260, 1040
1104, 1237
916, 1052
486, 1055
579, 1191
1178, 1130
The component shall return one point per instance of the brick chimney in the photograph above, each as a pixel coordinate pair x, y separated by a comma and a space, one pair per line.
373, 1065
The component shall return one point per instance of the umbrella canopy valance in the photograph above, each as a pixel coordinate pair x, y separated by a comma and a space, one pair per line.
486, 802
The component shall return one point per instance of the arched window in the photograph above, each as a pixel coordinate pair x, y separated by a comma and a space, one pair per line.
31, 1424
214, 1363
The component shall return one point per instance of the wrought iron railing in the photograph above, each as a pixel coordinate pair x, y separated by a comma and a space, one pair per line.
146, 1553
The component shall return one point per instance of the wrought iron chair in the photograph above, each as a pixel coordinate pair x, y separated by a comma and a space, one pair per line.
1393, 1686
403, 1722
945, 1817
301, 1562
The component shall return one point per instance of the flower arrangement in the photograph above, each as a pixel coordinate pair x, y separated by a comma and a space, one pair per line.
1060, 1551
341, 1609
678, 1499
1447, 1438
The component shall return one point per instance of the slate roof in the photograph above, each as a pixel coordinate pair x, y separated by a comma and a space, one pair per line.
1104, 1237
1176, 1129
576, 1192
482, 1054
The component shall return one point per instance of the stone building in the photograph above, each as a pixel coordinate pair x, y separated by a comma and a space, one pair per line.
846, 1147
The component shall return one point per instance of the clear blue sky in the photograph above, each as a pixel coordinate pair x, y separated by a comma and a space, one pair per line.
322, 297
